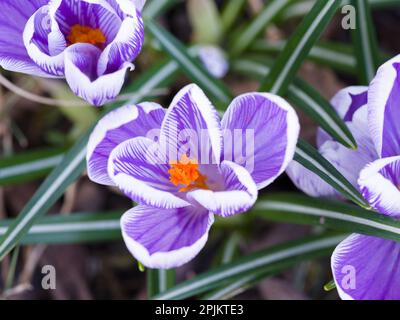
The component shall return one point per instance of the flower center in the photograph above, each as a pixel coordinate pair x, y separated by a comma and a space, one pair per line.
186, 172
83, 34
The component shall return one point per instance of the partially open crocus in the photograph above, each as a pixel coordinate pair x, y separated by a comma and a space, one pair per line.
351, 105
365, 267
376, 261
91, 43
183, 166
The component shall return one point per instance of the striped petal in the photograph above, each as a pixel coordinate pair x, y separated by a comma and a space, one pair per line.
164, 239
379, 183
122, 124
260, 133
350, 104
384, 108
126, 44
139, 169
38, 31
80, 73
367, 268
192, 126
14, 14
239, 193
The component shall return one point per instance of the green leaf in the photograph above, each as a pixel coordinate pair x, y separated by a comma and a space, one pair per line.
307, 156
319, 109
230, 13
272, 260
237, 287
73, 164
299, 209
191, 66
305, 98
73, 228
365, 42
29, 165
299, 46
251, 32
11, 269
301, 8
337, 56
159, 281
154, 8
49, 192
383, 4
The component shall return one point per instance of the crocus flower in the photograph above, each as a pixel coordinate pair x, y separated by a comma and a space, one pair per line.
183, 166
90, 43
351, 105
365, 267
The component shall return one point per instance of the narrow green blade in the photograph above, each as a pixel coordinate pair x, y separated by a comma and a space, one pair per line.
299, 209
365, 42
299, 46
271, 260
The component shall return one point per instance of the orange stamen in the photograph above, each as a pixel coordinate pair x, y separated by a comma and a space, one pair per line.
83, 34
186, 172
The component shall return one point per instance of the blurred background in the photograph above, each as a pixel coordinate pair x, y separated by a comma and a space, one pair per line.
40, 118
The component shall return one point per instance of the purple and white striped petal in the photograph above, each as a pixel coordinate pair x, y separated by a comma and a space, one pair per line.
192, 126
379, 183
122, 124
14, 14
350, 104
367, 268
384, 108
96, 14
239, 193
39, 29
81, 75
347, 161
260, 133
164, 239
127, 43
139, 169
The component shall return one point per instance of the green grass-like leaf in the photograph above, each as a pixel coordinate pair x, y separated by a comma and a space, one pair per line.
28, 166
159, 281
300, 209
270, 261
335, 55
74, 228
365, 43
191, 66
309, 157
305, 98
299, 46
251, 32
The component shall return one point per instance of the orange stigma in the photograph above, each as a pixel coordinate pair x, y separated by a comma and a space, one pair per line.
186, 172
83, 34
